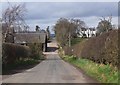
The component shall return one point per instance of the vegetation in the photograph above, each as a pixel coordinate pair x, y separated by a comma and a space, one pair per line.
101, 49
97, 56
66, 30
104, 25
12, 53
13, 18
36, 51
75, 41
18, 55
103, 73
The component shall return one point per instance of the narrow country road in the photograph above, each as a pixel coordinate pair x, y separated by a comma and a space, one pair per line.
51, 70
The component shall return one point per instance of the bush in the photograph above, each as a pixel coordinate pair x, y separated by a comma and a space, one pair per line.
76, 49
101, 49
36, 50
12, 53
75, 41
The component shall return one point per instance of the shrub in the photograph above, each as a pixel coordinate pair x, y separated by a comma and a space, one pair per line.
76, 49
13, 52
111, 48
36, 50
100, 49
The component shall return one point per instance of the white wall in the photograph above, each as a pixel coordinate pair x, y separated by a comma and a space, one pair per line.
87, 32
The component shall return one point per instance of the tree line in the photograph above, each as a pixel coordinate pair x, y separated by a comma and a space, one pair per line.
67, 29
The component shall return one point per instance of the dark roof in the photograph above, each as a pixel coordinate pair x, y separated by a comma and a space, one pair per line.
83, 29
31, 37
42, 31
92, 29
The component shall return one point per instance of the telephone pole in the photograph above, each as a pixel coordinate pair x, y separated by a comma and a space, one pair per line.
69, 39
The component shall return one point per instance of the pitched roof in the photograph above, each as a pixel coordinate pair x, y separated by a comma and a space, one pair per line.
92, 29
83, 29
30, 37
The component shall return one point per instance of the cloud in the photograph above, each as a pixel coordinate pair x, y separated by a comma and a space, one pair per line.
93, 21
56, 10
43, 23
60, 0
43, 10
47, 13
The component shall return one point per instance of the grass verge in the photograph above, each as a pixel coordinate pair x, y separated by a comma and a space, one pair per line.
101, 72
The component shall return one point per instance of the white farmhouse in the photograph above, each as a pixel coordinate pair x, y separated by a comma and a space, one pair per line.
87, 32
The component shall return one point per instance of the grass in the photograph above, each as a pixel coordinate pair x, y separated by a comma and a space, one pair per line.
76, 40
101, 72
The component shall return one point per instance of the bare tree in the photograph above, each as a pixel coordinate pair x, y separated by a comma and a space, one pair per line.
104, 25
65, 30
61, 33
13, 17
78, 24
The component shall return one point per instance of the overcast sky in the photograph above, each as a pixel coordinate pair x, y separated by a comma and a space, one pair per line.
47, 13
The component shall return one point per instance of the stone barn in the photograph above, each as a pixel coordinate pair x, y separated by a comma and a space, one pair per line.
24, 38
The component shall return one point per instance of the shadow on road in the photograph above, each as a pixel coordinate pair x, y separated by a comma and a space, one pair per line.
52, 49
49, 41
19, 69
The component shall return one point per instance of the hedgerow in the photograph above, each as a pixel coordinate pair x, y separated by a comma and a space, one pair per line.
100, 49
12, 53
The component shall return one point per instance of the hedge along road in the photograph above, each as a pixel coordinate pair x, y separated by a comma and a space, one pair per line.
51, 70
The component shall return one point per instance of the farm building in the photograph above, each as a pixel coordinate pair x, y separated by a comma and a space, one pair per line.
24, 38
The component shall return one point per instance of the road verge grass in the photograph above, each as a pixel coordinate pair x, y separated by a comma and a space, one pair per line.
103, 73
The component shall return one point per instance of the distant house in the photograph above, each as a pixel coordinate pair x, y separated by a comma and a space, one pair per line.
24, 38
87, 32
